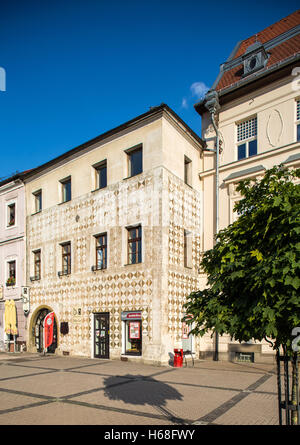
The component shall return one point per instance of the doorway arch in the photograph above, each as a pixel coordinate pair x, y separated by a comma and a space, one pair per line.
37, 331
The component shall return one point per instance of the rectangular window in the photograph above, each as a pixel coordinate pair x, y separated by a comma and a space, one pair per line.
101, 251
66, 258
135, 245
11, 275
135, 161
133, 337
101, 175
66, 189
37, 264
132, 331
187, 249
11, 215
187, 171
298, 119
247, 138
37, 201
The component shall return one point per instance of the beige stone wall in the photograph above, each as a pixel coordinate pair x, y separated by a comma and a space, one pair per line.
80, 166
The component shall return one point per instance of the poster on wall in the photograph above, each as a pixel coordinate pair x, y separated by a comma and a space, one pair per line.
134, 330
185, 331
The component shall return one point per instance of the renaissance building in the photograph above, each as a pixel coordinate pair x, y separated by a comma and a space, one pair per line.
113, 241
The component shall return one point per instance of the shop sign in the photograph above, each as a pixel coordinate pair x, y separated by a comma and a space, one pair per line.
131, 316
26, 300
77, 315
185, 330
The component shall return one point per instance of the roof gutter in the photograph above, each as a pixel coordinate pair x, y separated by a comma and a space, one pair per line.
154, 113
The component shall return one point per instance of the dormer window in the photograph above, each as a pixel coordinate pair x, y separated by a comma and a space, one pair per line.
255, 58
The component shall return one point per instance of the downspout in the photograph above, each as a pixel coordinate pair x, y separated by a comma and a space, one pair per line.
213, 106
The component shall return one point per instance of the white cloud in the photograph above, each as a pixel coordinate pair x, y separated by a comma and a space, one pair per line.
199, 89
184, 103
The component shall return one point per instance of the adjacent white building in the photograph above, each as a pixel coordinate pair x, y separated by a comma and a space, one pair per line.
12, 259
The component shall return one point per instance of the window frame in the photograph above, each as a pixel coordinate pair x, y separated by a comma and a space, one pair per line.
188, 171
64, 182
37, 254
137, 242
8, 215
36, 195
68, 256
187, 249
129, 153
101, 247
98, 167
297, 119
8, 272
247, 139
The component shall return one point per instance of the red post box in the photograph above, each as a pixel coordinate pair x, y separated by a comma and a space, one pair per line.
178, 358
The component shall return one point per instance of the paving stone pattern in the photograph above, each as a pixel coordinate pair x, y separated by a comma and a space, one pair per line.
54, 390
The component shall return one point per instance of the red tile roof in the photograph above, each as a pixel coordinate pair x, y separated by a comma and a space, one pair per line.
270, 32
278, 53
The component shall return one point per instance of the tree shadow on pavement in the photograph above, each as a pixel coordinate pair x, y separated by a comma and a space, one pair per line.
141, 390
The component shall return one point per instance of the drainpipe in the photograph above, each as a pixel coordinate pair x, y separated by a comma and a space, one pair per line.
213, 106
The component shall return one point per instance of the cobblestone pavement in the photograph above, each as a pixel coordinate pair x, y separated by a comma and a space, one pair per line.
55, 390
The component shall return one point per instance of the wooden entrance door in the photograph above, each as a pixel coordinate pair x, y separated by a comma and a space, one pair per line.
101, 335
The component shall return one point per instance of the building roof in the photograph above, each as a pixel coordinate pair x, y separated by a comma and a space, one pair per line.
17, 176
271, 32
278, 54
281, 45
143, 119
280, 40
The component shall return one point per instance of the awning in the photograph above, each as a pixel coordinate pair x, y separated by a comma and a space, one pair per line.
10, 318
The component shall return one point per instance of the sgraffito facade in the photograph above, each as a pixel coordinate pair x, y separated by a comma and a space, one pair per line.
124, 308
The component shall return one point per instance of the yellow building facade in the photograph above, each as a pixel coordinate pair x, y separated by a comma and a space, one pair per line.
256, 104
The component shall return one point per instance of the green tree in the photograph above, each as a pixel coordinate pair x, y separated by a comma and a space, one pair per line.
253, 271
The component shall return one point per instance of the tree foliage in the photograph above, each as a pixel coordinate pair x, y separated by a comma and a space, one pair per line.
253, 271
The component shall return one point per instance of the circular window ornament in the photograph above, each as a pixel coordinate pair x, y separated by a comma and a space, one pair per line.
252, 63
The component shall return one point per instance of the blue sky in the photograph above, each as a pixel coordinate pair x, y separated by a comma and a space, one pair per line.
75, 69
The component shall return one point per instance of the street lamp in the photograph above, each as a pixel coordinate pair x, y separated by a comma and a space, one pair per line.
213, 106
